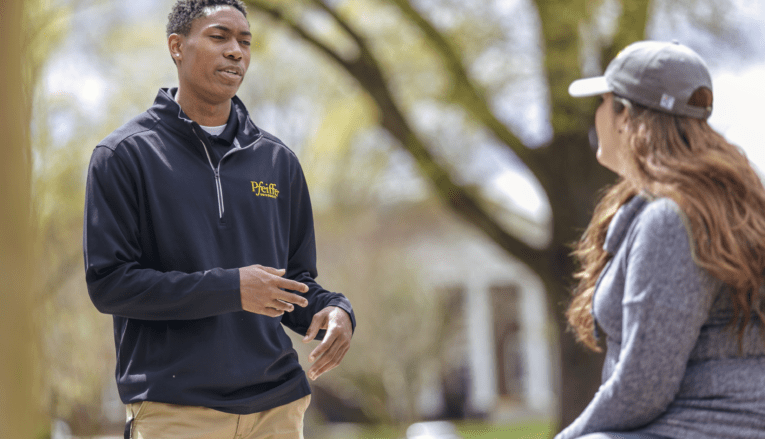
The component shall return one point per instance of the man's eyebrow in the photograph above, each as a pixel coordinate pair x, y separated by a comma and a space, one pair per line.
226, 29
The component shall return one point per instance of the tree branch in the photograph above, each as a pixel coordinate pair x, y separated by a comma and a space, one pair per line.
369, 75
631, 27
472, 97
277, 15
342, 23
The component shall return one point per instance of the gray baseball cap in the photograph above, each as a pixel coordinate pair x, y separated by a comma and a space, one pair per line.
659, 75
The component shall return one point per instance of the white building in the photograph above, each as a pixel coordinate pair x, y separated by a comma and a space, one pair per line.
504, 348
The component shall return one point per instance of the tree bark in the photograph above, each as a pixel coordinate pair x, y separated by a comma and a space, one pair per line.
17, 404
578, 177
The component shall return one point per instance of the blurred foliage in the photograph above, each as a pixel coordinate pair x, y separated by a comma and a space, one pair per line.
45, 22
76, 349
402, 324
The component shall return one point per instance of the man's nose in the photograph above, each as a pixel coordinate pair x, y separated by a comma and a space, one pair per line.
233, 50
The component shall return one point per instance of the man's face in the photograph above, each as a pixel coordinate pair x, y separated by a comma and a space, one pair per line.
213, 58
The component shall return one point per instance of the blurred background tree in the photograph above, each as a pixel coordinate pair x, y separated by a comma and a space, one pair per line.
28, 30
17, 408
458, 57
410, 60
388, 103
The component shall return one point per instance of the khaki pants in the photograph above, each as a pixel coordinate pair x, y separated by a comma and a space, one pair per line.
156, 420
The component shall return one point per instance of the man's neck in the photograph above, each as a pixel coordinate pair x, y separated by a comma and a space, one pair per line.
201, 112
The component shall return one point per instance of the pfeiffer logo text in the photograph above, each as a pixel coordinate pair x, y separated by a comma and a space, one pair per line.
262, 190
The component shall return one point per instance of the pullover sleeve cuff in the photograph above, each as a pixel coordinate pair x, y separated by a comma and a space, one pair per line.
343, 304
231, 295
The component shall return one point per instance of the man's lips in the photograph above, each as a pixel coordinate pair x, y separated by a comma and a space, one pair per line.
232, 71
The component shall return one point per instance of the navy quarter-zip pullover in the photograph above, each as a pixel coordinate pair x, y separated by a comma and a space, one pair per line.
167, 227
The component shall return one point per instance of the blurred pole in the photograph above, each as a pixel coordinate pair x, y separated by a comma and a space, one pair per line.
18, 409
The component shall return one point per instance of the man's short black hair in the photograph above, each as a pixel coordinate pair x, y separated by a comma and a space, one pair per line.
186, 11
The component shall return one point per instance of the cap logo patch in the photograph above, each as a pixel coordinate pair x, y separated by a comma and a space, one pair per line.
667, 101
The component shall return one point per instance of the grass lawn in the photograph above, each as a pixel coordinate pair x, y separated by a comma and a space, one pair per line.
469, 430
520, 430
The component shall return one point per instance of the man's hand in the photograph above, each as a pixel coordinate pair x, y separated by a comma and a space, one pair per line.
261, 290
337, 340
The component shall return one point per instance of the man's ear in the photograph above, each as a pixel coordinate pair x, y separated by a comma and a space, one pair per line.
174, 45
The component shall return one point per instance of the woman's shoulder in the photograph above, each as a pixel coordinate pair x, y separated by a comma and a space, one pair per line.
664, 212
644, 218
663, 222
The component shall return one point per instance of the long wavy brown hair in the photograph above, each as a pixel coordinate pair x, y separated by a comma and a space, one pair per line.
684, 159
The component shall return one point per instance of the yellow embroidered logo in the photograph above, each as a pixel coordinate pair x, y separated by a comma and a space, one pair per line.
262, 190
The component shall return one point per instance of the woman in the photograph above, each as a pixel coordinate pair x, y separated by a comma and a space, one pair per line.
673, 261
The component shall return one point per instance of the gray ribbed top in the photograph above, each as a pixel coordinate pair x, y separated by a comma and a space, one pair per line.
672, 368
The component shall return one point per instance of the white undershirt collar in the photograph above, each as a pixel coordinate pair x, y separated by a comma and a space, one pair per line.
213, 131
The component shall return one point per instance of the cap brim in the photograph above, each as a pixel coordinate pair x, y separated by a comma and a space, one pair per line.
589, 87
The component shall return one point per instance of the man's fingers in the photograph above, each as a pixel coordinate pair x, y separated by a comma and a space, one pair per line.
331, 351
325, 362
310, 334
318, 370
319, 350
318, 322
330, 343
264, 287
329, 360
289, 284
327, 348
292, 298
282, 305
271, 270
272, 312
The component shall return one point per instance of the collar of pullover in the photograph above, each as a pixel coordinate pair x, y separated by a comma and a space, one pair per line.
169, 112
227, 136
621, 221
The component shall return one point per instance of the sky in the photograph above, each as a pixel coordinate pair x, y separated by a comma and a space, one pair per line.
737, 68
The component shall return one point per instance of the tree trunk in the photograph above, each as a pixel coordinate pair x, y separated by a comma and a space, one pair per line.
580, 376
579, 177
17, 404
575, 179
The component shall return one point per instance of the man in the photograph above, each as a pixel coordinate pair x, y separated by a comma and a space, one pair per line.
199, 240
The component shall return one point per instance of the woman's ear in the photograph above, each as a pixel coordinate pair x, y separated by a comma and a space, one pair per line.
622, 120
